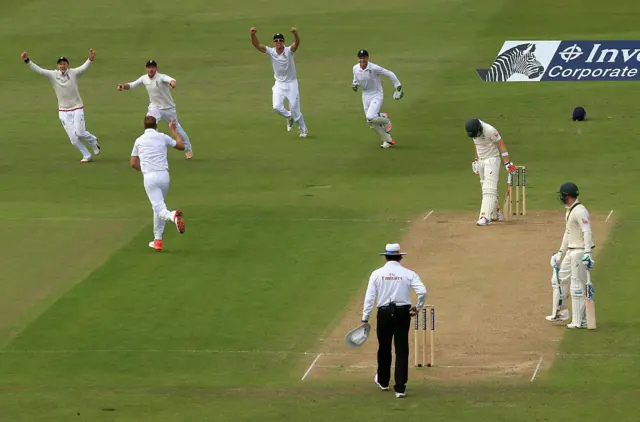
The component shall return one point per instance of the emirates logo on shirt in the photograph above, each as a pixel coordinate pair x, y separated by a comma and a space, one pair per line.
584, 221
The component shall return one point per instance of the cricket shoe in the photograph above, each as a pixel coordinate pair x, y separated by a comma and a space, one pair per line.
289, 124
304, 133
400, 395
188, 154
86, 160
375, 379
156, 245
483, 221
385, 144
177, 218
497, 217
562, 315
96, 148
572, 325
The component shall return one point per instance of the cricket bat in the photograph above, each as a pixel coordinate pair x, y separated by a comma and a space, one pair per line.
591, 304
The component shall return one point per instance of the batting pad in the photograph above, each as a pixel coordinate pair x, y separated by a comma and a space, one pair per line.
488, 204
380, 120
384, 136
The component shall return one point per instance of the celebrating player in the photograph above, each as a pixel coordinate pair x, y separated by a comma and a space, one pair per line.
367, 75
70, 106
286, 78
488, 148
161, 104
149, 156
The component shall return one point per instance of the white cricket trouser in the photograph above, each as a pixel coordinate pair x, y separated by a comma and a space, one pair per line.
489, 172
578, 274
73, 123
290, 91
372, 105
157, 186
169, 114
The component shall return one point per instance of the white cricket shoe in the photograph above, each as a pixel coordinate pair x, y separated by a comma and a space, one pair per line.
375, 379
385, 144
86, 160
572, 325
96, 148
304, 133
497, 216
484, 221
400, 395
289, 124
561, 315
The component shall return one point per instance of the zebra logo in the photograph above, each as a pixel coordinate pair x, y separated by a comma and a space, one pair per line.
518, 60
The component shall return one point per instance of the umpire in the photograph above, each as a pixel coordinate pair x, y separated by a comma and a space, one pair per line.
391, 285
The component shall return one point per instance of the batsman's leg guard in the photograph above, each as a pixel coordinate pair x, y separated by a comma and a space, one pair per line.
578, 310
384, 136
489, 193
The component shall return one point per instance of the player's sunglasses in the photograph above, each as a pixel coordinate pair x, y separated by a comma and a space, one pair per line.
279, 40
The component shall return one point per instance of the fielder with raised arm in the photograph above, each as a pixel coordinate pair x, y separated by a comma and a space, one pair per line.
366, 75
149, 156
489, 146
286, 78
70, 105
573, 260
161, 104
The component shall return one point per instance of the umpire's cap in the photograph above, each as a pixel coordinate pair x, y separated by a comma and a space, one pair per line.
278, 37
473, 128
579, 114
151, 63
363, 53
62, 59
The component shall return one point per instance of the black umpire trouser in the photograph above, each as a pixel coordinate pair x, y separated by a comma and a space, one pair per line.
394, 323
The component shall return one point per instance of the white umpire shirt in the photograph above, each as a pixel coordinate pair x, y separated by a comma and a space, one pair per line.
393, 283
151, 148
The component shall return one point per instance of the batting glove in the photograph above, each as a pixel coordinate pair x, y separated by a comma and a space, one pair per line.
399, 93
510, 167
588, 261
474, 167
355, 87
555, 259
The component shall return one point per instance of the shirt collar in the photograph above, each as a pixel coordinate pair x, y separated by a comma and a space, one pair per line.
392, 264
150, 130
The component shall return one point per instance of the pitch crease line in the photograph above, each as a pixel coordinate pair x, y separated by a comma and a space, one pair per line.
311, 366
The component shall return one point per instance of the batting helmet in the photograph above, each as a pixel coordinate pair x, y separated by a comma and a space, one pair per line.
579, 114
568, 189
473, 128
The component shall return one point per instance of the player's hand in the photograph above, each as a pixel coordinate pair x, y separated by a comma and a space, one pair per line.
413, 311
355, 87
474, 167
510, 167
555, 259
92, 54
172, 126
399, 93
253, 31
24, 56
172, 84
294, 31
120, 87
588, 261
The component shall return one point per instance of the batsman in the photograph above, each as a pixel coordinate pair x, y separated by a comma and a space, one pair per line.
489, 147
572, 262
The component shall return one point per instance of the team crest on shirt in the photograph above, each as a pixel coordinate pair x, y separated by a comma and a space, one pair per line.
584, 221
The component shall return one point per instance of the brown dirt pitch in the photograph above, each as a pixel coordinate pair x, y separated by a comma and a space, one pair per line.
491, 290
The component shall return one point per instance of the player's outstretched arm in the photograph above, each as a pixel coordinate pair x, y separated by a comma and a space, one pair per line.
130, 85
44, 72
81, 69
255, 42
296, 40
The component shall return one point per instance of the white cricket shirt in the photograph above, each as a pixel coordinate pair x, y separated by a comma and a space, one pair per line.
393, 283
151, 148
158, 89
578, 234
369, 78
284, 65
487, 143
64, 84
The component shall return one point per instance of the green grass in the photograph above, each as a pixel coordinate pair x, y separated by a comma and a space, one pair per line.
269, 261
